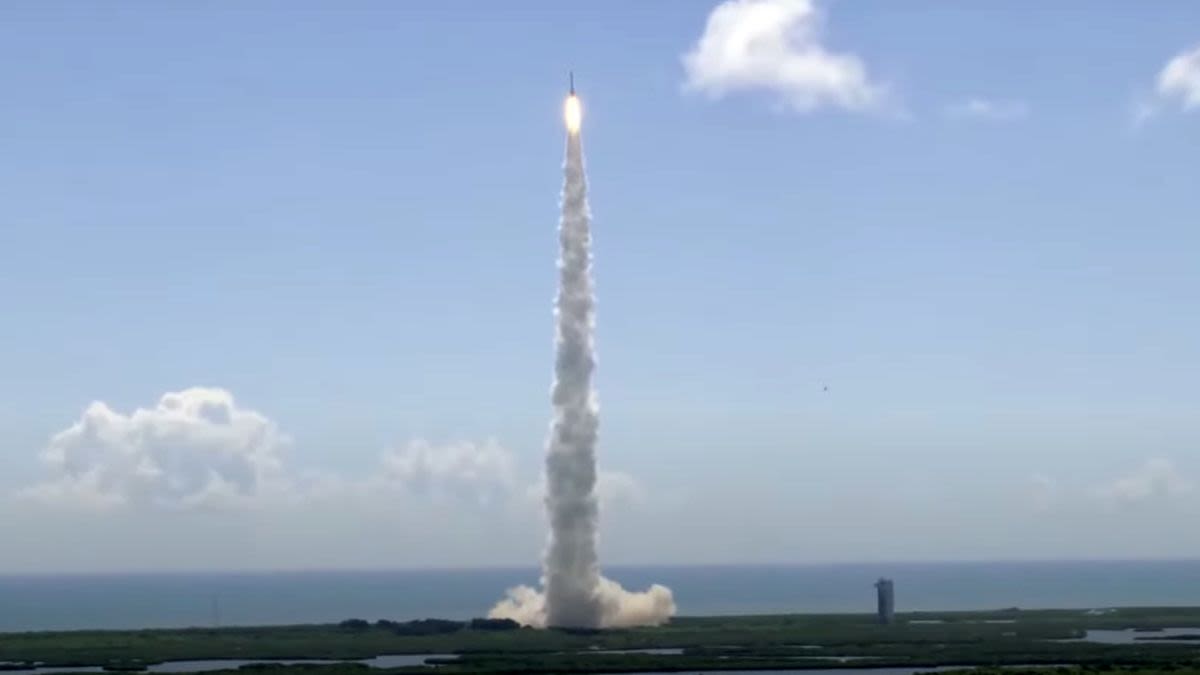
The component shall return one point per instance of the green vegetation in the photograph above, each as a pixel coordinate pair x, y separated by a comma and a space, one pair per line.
835, 641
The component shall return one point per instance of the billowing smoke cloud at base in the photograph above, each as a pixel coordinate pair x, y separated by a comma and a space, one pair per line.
574, 594
618, 608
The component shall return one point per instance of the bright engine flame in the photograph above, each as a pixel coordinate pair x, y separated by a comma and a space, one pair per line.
573, 113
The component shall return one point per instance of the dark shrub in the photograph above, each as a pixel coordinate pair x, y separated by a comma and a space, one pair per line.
579, 631
494, 624
428, 627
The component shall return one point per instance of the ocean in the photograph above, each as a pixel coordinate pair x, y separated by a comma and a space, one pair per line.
33, 602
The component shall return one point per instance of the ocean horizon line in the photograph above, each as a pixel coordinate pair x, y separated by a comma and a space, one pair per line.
525, 568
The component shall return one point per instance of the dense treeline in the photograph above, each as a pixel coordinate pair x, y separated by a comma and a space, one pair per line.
429, 626
1008, 637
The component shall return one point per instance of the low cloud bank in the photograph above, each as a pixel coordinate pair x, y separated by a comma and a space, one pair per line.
200, 449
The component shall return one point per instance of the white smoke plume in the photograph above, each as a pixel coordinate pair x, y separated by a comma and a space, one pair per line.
574, 593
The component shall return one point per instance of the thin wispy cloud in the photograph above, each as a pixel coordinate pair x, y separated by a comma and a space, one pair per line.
1156, 482
987, 110
1042, 492
776, 46
482, 471
1157, 479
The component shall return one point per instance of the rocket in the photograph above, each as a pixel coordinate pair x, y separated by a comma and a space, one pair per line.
572, 110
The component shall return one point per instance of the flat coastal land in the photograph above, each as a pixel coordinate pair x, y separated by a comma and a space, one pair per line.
1133, 640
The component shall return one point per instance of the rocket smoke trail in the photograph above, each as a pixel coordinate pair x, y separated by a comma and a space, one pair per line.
572, 570
575, 594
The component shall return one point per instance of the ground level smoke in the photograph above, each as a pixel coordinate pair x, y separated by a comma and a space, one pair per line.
574, 592
618, 608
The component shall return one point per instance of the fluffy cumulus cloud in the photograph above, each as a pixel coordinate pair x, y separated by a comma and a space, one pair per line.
775, 46
1179, 80
193, 448
199, 449
987, 110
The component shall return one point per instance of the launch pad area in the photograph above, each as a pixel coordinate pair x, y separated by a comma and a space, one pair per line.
1127, 640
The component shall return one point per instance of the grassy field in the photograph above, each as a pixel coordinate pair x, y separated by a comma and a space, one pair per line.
1009, 637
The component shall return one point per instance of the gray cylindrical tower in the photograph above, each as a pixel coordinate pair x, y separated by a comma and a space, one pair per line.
886, 600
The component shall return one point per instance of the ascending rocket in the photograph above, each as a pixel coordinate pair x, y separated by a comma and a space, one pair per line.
572, 110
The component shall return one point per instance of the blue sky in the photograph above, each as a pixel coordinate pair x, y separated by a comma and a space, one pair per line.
345, 218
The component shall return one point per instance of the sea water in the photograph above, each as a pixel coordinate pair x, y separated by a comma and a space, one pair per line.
179, 600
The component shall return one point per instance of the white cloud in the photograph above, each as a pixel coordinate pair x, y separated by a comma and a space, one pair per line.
197, 449
1180, 79
988, 110
1157, 479
1178, 83
483, 471
775, 46
1143, 112
194, 448
614, 489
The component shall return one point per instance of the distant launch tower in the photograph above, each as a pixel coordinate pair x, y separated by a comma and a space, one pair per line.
887, 600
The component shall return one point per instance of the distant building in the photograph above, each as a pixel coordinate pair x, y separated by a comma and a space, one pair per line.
887, 600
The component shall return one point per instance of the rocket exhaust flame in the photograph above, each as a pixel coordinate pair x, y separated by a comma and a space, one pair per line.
573, 114
575, 594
